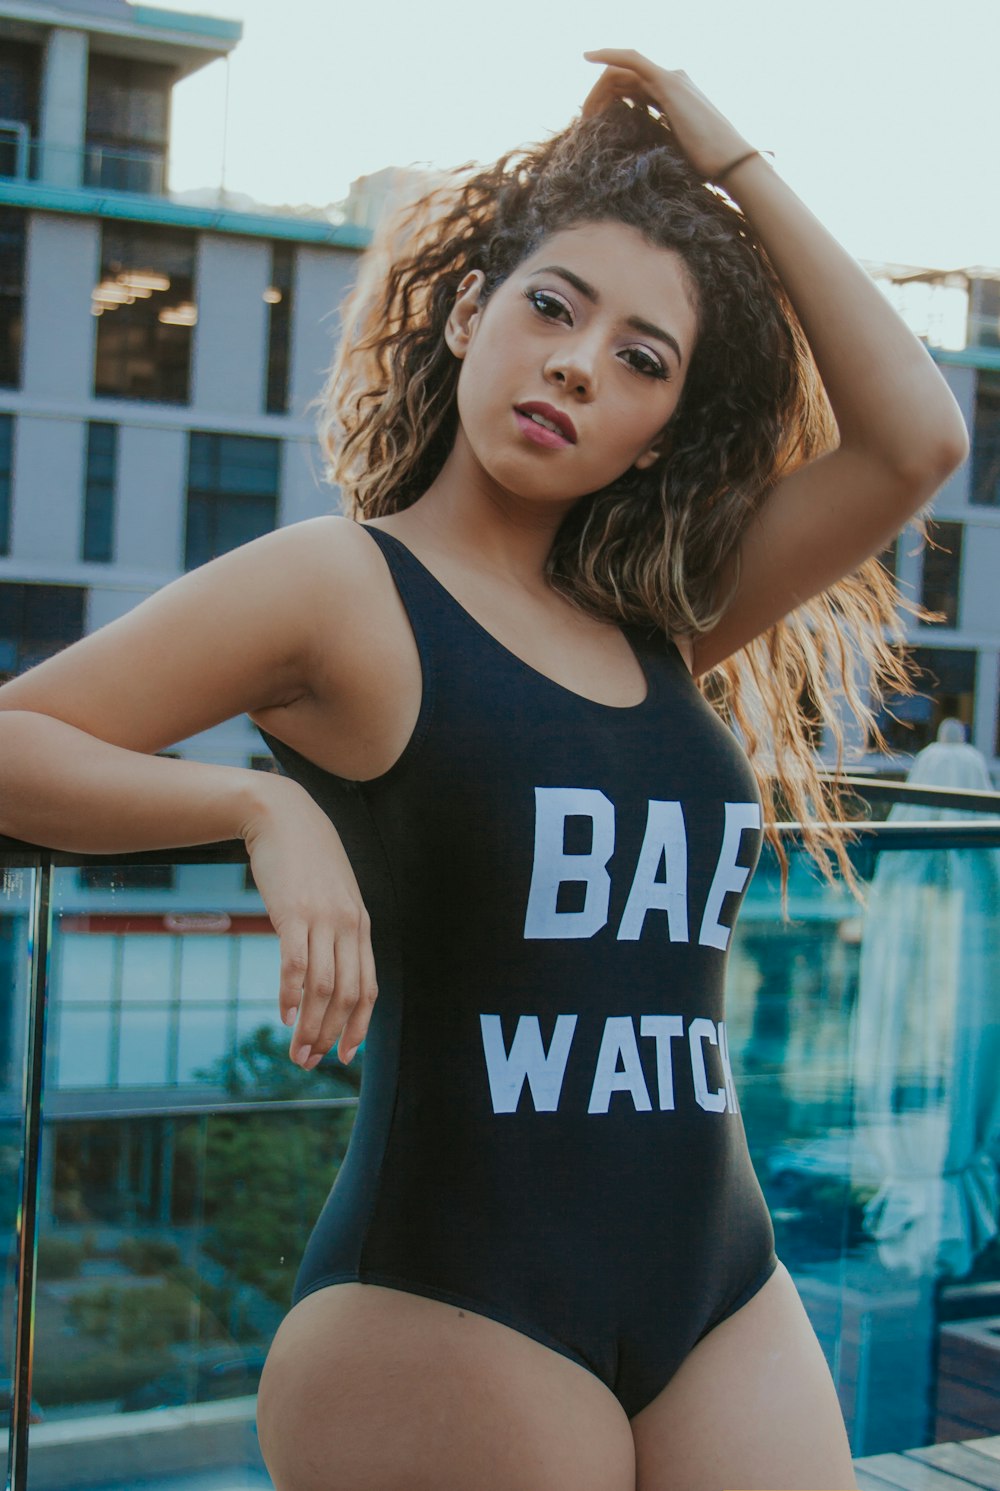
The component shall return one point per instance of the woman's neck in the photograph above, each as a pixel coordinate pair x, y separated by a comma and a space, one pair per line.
468, 515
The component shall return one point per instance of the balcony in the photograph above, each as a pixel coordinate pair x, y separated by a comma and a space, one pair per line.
162, 1161
97, 166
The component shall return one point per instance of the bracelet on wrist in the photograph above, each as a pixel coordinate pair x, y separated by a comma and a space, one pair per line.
739, 160
747, 155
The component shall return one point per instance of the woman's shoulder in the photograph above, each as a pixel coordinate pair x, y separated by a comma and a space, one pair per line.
363, 674
339, 565
342, 582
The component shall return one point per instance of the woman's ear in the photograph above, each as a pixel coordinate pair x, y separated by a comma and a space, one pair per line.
656, 448
464, 313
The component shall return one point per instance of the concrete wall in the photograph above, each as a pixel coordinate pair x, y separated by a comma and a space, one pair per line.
47, 516
64, 106
151, 490
954, 494
230, 343
322, 278
62, 267
304, 494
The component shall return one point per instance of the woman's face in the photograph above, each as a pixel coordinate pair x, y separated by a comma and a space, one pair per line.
599, 326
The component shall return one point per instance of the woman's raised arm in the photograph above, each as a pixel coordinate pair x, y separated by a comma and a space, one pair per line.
901, 431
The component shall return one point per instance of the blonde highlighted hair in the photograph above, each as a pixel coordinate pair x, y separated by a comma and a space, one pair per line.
649, 548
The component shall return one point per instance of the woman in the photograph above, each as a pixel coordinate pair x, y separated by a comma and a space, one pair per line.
576, 412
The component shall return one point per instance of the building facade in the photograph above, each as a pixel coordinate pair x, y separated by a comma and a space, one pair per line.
956, 575
157, 364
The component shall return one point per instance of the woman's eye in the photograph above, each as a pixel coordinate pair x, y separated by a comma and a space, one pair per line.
541, 301
551, 308
643, 363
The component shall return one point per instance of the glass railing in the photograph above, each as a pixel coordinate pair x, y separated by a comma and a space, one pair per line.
162, 1161
97, 166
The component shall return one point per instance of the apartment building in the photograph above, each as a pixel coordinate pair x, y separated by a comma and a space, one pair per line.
157, 361
158, 357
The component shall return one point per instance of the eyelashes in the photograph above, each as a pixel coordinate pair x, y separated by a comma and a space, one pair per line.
644, 364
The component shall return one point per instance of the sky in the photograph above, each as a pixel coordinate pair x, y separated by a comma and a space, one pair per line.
882, 114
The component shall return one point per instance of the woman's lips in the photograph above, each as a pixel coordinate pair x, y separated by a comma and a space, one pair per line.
538, 433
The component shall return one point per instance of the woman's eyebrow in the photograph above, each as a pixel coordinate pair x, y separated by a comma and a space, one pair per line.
591, 294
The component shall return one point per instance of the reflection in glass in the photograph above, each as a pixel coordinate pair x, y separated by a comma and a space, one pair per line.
926, 1036
206, 967
232, 493
99, 492
83, 1048
825, 1032
85, 967
178, 1187
946, 685
12, 241
144, 304
203, 1037
144, 1047
942, 572
17, 887
985, 483
147, 967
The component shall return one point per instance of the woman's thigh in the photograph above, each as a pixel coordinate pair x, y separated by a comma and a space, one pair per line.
752, 1408
373, 1389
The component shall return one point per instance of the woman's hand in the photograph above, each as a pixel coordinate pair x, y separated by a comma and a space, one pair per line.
307, 884
706, 137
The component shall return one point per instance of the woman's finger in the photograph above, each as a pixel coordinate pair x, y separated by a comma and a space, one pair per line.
321, 982
615, 82
601, 95
622, 57
294, 950
342, 1006
703, 134
361, 1018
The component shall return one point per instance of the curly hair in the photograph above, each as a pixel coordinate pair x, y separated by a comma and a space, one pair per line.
650, 547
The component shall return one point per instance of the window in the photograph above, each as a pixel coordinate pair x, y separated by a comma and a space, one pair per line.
128, 111
986, 441
813, 719
11, 294
145, 309
984, 312
37, 621
6, 461
154, 1009
99, 493
889, 557
279, 324
232, 493
945, 679
19, 72
942, 571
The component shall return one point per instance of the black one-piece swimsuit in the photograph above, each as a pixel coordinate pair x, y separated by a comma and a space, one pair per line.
548, 1132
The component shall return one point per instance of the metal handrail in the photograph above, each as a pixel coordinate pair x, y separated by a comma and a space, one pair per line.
969, 832
882, 789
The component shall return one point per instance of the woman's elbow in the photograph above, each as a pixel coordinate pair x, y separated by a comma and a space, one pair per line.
935, 458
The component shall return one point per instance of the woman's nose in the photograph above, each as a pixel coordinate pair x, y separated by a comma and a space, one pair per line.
572, 370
